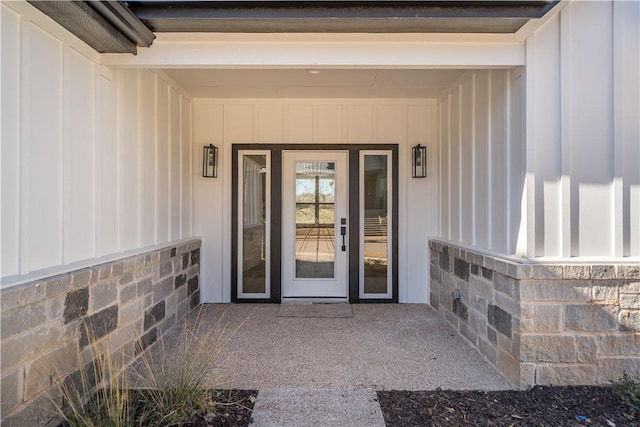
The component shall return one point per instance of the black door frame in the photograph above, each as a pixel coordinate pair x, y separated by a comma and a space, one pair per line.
276, 217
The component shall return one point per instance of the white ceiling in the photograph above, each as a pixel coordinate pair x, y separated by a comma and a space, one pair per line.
300, 83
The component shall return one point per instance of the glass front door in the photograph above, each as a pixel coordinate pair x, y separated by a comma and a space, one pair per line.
314, 224
314, 221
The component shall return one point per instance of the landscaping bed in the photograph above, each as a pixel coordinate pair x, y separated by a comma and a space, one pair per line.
539, 406
228, 408
233, 409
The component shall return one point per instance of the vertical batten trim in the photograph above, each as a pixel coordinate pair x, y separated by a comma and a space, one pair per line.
94, 132
63, 119
613, 199
508, 162
314, 123
621, 205
345, 124
118, 101
25, 144
169, 164
565, 134
65, 164
190, 167
224, 159
285, 123
139, 139
172, 162
97, 164
521, 231
180, 145
636, 205
227, 200
403, 208
459, 162
530, 146
489, 174
529, 75
449, 213
156, 168
441, 125
474, 148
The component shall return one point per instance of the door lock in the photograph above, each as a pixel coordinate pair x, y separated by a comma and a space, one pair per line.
343, 233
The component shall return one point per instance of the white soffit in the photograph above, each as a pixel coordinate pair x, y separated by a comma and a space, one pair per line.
323, 83
352, 65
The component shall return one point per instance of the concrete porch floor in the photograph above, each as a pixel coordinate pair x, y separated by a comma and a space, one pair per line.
324, 372
382, 347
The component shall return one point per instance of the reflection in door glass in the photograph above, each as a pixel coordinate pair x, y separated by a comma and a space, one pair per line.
376, 237
253, 224
315, 219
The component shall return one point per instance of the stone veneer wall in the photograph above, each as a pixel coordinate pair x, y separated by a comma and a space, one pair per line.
559, 324
44, 323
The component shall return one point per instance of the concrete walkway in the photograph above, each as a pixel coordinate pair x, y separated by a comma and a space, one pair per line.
325, 371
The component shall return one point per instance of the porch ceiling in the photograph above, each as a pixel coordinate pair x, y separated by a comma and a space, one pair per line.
320, 83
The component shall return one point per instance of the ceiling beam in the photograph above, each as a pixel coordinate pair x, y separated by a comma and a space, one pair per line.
325, 50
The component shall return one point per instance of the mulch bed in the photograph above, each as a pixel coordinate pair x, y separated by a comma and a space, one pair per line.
539, 406
233, 410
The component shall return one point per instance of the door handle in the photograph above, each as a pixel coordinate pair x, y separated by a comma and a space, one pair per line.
343, 233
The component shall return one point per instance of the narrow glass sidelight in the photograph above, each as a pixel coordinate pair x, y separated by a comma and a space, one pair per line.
253, 235
315, 220
375, 220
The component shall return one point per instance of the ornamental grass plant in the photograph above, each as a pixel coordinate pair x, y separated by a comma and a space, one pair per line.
177, 377
97, 394
628, 388
170, 384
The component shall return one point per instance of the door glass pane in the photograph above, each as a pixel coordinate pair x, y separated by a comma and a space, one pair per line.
315, 219
253, 224
376, 236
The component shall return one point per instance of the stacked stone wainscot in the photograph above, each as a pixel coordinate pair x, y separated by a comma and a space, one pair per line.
49, 325
541, 323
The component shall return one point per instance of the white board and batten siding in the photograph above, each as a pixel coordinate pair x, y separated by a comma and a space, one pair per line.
96, 162
583, 132
543, 162
482, 160
224, 122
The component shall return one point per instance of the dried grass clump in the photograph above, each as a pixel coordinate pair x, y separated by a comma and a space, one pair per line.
628, 388
97, 395
177, 377
169, 384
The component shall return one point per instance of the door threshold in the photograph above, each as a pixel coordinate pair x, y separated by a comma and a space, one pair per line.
314, 300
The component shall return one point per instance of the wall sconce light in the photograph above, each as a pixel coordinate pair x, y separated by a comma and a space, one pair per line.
419, 161
210, 161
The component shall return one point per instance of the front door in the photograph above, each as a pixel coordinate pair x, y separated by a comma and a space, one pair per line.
314, 221
314, 224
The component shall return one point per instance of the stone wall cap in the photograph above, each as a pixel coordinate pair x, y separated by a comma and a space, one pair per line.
48, 274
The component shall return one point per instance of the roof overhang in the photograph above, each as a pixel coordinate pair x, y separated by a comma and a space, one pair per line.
106, 26
120, 27
339, 16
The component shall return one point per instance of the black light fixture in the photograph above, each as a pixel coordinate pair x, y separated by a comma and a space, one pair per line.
210, 161
419, 161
